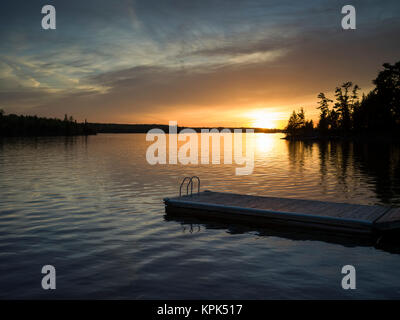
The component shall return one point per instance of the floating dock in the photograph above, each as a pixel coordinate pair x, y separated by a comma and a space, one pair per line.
317, 215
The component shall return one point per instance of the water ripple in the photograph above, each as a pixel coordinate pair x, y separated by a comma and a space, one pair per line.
92, 207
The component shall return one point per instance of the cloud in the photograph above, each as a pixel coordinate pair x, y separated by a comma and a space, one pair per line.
152, 61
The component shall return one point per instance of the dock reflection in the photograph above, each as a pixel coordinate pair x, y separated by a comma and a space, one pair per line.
388, 243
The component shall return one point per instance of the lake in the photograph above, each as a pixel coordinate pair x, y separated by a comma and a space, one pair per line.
92, 207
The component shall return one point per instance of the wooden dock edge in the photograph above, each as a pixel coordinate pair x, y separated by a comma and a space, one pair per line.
389, 221
269, 216
386, 220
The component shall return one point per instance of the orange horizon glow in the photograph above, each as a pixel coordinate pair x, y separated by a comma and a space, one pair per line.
263, 119
243, 117
255, 118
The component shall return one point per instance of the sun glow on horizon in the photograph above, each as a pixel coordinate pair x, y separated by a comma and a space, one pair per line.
263, 119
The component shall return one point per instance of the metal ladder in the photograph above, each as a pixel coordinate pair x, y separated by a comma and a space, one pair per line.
190, 183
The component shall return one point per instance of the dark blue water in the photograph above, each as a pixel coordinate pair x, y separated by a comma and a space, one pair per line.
92, 207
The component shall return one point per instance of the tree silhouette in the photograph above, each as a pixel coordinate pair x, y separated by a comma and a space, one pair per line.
388, 91
324, 120
298, 125
345, 104
378, 112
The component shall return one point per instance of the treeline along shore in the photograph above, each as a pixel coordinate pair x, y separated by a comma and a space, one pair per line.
374, 115
12, 125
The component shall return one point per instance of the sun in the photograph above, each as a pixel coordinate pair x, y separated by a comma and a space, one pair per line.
262, 119
264, 123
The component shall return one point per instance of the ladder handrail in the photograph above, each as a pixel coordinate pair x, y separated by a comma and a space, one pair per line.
190, 183
180, 188
198, 183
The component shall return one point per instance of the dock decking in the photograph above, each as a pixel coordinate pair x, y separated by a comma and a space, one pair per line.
305, 213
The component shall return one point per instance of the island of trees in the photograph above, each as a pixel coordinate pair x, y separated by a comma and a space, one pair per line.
375, 114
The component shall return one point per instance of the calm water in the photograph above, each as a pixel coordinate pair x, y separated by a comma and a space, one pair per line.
92, 207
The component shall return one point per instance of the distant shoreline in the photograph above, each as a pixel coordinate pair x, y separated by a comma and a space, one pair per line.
378, 137
13, 125
144, 128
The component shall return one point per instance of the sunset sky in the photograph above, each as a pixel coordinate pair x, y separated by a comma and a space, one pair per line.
201, 63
